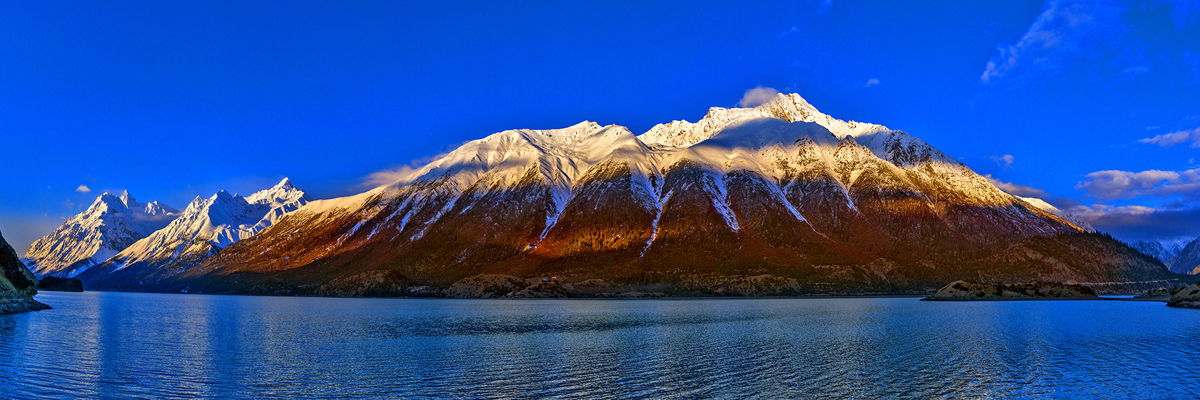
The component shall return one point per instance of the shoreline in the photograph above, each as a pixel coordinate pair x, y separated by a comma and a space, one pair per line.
923, 297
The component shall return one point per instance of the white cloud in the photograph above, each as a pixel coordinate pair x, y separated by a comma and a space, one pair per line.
1004, 161
871, 82
1113, 184
1141, 223
1015, 189
1174, 138
1064, 31
1096, 211
756, 96
82, 189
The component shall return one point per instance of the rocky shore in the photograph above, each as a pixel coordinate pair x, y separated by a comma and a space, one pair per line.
1188, 297
17, 284
973, 291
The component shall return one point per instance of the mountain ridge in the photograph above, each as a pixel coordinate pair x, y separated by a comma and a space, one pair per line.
110, 224
778, 190
205, 227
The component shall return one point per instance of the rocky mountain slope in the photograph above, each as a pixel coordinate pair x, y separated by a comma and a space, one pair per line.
108, 226
776, 199
17, 283
201, 230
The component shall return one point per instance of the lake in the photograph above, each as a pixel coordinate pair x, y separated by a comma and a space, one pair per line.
98, 344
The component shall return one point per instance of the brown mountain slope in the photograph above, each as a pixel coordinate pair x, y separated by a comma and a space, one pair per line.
778, 199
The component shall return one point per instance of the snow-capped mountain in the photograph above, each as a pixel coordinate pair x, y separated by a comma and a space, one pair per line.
1187, 260
202, 229
1154, 248
779, 192
108, 226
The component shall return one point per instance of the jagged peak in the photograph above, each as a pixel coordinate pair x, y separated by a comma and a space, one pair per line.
127, 199
156, 208
285, 184
108, 202
284, 191
789, 107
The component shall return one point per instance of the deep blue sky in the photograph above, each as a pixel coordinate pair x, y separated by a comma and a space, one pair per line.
172, 100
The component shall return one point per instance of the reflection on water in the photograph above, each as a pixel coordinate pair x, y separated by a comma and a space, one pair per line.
192, 346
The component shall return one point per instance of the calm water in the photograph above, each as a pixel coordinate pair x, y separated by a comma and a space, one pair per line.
193, 346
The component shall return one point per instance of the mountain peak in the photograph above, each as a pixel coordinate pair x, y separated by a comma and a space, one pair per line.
285, 184
127, 199
108, 202
789, 107
282, 192
110, 224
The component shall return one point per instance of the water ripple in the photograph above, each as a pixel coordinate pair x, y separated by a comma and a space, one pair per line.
117, 345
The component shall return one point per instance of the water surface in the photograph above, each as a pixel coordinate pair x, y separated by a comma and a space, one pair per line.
98, 344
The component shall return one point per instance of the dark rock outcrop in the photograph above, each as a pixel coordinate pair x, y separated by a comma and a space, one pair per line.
56, 284
1188, 297
17, 284
969, 291
1160, 294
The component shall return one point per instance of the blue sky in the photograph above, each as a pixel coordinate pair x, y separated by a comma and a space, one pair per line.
1090, 105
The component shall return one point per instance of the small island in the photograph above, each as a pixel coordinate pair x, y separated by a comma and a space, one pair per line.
973, 291
56, 284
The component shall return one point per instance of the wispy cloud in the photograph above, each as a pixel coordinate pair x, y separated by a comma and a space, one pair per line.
1114, 184
1015, 189
822, 5
397, 174
387, 176
1174, 138
757, 96
1134, 71
790, 33
871, 82
1064, 31
1004, 161
82, 189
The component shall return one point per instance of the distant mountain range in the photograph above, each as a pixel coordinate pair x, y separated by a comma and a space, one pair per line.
776, 199
1186, 260
1155, 249
118, 232
108, 226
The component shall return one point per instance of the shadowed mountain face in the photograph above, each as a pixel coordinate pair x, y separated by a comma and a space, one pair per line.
17, 284
778, 199
1186, 260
